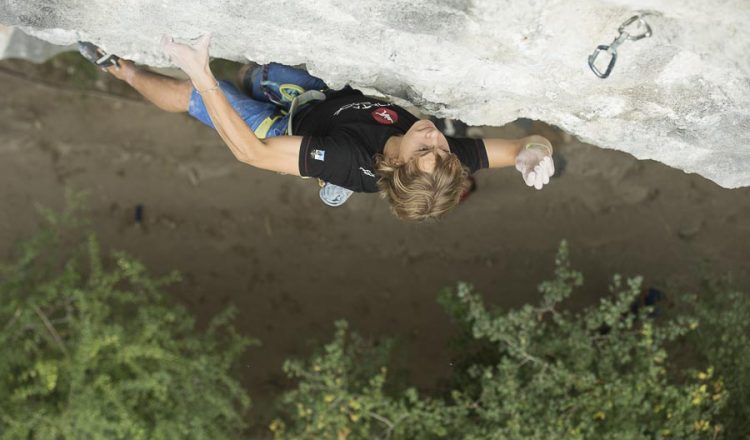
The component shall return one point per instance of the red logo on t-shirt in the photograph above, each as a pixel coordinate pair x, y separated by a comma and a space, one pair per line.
385, 116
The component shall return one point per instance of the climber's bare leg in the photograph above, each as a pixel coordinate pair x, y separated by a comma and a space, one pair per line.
170, 94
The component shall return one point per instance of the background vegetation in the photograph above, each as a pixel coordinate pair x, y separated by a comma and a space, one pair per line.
94, 351
91, 347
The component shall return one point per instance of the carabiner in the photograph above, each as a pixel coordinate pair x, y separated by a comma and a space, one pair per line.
623, 36
641, 21
610, 66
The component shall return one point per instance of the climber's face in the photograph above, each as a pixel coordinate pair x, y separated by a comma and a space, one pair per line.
423, 142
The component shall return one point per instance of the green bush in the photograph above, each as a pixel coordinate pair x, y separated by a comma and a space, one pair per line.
93, 350
89, 351
536, 372
721, 340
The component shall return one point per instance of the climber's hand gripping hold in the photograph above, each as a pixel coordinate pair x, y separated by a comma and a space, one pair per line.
534, 161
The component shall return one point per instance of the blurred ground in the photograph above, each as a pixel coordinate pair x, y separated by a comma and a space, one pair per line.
292, 265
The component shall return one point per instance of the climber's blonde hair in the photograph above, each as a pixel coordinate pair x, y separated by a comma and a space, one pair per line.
416, 195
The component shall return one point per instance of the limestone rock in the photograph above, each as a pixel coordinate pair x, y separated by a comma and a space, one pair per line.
681, 97
16, 44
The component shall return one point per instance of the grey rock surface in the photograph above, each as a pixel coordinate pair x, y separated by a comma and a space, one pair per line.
681, 97
16, 44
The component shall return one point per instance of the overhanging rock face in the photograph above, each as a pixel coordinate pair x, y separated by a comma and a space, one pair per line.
681, 97
16, 44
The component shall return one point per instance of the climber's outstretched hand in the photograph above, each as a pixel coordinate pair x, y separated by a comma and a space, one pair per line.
534, 161
192, 59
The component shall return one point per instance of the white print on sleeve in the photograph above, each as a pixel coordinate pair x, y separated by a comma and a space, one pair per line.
360, 106
366, 172
318, 155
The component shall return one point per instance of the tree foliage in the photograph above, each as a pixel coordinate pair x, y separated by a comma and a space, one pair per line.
722, 340
91, 348
539, 371
95, 351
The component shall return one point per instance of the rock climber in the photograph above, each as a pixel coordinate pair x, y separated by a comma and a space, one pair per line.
288, 121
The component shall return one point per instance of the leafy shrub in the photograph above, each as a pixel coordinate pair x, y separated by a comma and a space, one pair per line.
532, 373
89, 351
721, 340
339, 396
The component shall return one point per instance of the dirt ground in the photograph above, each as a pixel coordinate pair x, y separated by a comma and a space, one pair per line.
265, 242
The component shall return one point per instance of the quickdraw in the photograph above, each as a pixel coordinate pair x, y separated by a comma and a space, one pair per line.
624, 35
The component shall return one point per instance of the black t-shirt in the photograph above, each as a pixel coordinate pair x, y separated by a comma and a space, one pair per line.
341, 135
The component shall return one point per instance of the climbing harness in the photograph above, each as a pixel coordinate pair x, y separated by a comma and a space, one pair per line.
284, 93
289, 98
297, 103
625, 35
300, 101
262, 131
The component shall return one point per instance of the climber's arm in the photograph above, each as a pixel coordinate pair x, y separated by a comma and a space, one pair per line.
279, 153
503, 152
276, 154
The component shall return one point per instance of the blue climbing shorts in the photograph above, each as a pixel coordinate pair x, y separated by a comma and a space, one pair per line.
258, 108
